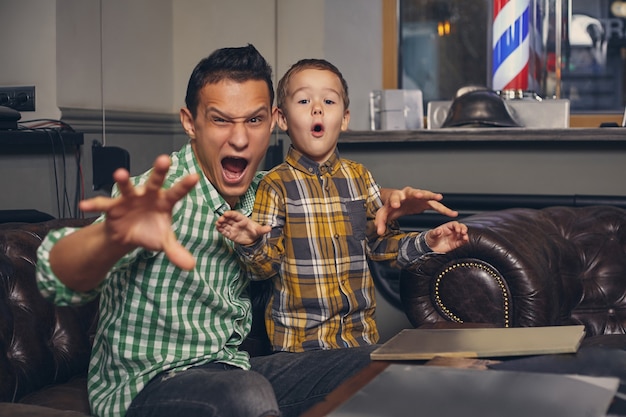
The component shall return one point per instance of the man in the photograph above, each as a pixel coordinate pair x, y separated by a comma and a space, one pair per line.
173, 308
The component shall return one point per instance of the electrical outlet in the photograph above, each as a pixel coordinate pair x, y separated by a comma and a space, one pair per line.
18, 98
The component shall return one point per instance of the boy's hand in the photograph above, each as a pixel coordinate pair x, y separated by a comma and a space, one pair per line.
398, 203
142, 216
447, 237
239, 228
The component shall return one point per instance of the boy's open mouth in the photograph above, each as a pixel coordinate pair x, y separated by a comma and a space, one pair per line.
234, 167
317, 129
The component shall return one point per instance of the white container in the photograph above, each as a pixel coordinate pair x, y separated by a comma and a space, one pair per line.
396, 110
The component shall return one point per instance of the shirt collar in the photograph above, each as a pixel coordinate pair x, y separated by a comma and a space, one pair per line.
304, 164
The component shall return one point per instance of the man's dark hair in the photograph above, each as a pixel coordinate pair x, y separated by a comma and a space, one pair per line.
237, 64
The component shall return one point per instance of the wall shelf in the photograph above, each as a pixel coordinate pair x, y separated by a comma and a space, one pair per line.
38, 139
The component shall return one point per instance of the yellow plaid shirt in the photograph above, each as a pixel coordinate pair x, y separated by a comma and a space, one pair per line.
322, 218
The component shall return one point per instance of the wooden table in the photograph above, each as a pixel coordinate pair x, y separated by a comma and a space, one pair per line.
351, 386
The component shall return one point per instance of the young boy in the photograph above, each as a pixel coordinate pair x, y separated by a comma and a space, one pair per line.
312, 227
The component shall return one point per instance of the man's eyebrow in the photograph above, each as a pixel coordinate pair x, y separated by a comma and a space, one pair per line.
253, 113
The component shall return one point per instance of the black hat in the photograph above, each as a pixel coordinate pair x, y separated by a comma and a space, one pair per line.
479, 108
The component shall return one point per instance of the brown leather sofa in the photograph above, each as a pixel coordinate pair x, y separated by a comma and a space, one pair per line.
522, 267
528, 267
45, 348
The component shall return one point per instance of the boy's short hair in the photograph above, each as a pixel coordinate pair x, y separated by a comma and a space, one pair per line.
238, 64
311, 63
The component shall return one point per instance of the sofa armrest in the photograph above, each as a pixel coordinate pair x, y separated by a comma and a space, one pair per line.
509, 274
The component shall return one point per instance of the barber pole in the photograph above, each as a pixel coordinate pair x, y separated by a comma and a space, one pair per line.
511, 45
536, 59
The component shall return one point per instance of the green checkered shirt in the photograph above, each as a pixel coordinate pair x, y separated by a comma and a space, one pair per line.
156, 317
322, 218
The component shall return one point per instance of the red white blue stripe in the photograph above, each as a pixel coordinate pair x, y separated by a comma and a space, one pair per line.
536, 60
511, 44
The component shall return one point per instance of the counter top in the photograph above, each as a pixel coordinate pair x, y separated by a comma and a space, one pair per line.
605, 134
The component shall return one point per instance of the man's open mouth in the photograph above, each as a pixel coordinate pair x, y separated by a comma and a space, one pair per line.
234, 167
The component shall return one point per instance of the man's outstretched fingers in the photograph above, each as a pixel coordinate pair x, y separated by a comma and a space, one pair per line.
177, 253
122, 179
182, 188
99, 203
157, 176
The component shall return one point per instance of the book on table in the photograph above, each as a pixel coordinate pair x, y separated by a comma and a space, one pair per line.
421, 344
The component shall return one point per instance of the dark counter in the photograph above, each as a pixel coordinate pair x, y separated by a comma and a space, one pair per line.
609, 134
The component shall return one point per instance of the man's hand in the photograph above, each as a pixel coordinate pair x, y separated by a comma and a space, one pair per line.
447, 237
239, 228
142, 216
398, 203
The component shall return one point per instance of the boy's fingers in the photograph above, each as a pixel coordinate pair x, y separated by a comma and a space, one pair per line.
395, 200
443, 209
380, 221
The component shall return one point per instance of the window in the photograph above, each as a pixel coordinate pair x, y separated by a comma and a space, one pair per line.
444, 45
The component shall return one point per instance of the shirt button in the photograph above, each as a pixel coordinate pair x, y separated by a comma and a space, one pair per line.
336, 236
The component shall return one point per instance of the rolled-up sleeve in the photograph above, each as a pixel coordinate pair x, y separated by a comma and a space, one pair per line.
49, 285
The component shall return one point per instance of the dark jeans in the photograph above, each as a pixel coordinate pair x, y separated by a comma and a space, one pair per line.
301, 380
212, 390
296, 380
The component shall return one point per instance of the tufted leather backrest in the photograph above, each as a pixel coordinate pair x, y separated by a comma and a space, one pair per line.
598, 264
527, 267
41, 344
